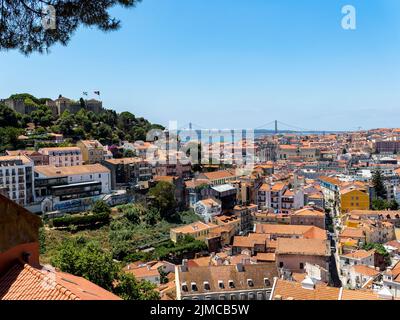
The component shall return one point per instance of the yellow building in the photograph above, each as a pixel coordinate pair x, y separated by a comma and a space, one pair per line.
198, 230
353, 199
92, 151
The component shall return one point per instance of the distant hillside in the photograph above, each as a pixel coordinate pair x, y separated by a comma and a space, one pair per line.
107, 126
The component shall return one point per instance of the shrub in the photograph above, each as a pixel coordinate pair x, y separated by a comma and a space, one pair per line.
81, 220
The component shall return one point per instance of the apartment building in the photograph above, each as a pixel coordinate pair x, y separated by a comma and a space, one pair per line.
344, 196
63, 156
16, 178
245, 214
357, 258
308, 216
182, 169
387, 147
217, 178
198, 230
71, 189
276, 231
391, 279
277, 191
208, 208
310, 289
92, 151
225, 282
127, 172
292, 254
38, 158
291, 200
297, 152
264, 197
353, 199
196, 190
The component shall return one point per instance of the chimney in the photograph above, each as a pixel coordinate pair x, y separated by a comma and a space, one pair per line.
240, 267
184, 267
308, 284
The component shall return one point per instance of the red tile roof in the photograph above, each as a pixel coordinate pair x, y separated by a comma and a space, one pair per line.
24, 282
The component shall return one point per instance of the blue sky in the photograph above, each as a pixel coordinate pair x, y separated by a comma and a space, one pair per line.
231, 64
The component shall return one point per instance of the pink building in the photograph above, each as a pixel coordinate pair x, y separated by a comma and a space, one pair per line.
292, 254
63, 156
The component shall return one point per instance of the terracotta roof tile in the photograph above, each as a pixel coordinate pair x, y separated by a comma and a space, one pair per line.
24, 282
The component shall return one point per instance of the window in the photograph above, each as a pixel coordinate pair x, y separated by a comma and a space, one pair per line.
222, 297
233, 297
184, 287
250, 282
301, 265
267, 282
281, 264
221, 284
243, 296
206, 286
231, 284
194, 286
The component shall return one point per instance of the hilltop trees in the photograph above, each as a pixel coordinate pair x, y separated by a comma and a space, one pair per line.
8, 117
10, 128
107, 126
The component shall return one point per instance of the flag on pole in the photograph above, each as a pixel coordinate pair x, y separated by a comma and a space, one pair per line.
97, 92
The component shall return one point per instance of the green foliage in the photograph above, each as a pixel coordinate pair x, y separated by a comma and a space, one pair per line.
133, 214
380, 204
79, 220
42, 240
128, 153
87, 260
100, 207
377, 183
8, 117
128, 288
183, 246
108, 126
152, 216
163, 275
126, 237
42, 116
9, 138
164, 198
394, 205
21, 22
